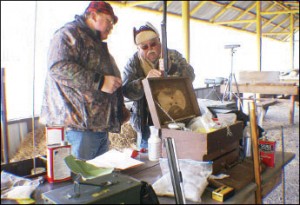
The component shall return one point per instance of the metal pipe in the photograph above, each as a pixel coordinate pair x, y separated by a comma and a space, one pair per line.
164, 39
176, 177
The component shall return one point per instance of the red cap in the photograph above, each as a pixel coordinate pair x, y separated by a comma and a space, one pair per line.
102, 7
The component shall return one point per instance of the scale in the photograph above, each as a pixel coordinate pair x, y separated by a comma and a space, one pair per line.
114, 188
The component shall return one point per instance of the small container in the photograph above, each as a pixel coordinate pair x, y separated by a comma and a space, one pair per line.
267, 151
55, 134
57, 169
247, 145
154, 145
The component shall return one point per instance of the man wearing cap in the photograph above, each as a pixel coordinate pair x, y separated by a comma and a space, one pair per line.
83, 84
145, 63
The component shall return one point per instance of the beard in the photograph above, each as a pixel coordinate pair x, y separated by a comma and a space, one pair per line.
152, 56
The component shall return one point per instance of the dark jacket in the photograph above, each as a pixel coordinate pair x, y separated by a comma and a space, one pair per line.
77, 60
133, 75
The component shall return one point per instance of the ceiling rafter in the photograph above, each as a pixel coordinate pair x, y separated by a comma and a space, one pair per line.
222, 11
281, 5
279, 12
136, 3
239, 9
267, 9
246, 11
197, 7
162, 6
268, 22
273, 14
282, 22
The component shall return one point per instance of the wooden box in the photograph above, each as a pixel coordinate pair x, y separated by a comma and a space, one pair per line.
177, 97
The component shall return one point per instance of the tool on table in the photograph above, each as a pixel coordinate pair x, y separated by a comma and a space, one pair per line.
175, 173
77, 184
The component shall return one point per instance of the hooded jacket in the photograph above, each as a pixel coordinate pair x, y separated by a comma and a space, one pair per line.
77, 61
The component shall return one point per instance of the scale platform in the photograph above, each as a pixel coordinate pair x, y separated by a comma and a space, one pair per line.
114, 188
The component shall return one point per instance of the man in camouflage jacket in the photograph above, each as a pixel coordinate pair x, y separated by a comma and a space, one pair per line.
83, 84
144, 64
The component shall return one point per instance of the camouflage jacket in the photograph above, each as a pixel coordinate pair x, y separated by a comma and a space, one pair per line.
77, 60
133, 75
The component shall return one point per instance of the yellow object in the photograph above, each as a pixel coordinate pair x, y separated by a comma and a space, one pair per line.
26, 201
222, 193
203, 130
100, 193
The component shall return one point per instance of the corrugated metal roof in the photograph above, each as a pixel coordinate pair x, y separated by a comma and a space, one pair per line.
275, 15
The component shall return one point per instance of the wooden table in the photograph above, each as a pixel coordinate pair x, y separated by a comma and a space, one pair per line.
280, 88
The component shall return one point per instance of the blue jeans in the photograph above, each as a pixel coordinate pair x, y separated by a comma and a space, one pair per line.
145, 137
87, 145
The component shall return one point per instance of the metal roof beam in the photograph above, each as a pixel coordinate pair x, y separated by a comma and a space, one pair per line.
135, 3
275, 33
270, 7
268, 22
241, 10
235, 22
222, 11
246, 11
279, 12
280, 4
168, 3
278, 25
198, 7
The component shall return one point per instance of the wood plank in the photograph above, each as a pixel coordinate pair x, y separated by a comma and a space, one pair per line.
278, 88
258, 76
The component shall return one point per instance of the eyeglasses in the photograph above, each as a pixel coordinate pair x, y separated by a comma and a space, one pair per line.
150, 45
111, 22
108, 20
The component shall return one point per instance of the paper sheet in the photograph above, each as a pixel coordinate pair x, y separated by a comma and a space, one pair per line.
115, 159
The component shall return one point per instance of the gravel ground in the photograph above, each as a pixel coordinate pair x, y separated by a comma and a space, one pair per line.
278, 116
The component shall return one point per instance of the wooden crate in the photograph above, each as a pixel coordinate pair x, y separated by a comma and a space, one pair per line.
176, 96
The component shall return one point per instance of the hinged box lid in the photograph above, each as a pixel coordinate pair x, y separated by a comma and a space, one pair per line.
172, 95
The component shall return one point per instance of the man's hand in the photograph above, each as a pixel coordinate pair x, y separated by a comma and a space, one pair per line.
154, 73
111, 84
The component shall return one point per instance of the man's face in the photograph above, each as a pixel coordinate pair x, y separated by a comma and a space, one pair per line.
150, 49
104, 24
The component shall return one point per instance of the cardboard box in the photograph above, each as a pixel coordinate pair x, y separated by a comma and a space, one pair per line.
177, 97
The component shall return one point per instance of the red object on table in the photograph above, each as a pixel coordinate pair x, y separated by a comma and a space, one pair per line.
267, 152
